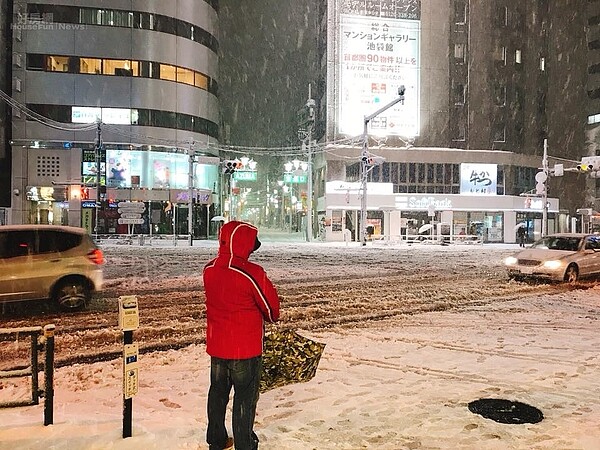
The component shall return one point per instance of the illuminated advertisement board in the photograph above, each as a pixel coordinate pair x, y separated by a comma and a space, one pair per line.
117, 116
376, 56
478, 179
155, 170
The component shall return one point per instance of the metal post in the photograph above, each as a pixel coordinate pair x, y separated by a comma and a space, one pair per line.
364, 163
309, 204
174, 206
291, 209
35, 387
545, 193
191, 194
98, 173
282, 205
231, 215
49, 375
363, 183
127, 402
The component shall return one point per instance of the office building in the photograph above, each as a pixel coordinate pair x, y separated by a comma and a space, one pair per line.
149, 72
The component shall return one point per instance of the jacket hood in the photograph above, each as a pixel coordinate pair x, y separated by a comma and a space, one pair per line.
238, 239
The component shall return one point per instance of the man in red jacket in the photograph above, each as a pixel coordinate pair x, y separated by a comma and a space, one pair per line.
239, 299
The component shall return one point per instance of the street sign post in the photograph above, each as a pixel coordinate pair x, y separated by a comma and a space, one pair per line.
131, 213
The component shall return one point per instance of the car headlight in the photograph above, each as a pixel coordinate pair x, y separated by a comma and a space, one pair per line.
510, 261
553, 264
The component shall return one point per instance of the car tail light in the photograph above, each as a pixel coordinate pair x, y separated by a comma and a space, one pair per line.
96, 256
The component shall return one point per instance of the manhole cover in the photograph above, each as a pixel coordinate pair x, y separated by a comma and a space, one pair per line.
506, 411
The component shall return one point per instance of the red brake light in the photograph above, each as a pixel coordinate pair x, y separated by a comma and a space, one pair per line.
96, 256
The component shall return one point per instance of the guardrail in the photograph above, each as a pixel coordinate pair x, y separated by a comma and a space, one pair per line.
142, 239
42, 340
427, 239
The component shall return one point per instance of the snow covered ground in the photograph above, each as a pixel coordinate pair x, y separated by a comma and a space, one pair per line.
402, 382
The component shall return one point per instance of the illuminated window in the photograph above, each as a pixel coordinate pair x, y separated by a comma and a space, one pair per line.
135, 68
185, 76
201, 81
168, 72
57, 63
90, 65
121, 67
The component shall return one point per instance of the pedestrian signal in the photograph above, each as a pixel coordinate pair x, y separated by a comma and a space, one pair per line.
230, 166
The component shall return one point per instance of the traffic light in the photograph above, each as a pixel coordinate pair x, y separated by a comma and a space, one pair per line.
591, 165
230, 165
585, 167
372, 160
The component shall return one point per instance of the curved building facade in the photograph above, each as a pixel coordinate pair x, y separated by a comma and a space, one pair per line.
146, 72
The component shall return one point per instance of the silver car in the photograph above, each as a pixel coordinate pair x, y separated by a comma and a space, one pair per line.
49, 262
558, 257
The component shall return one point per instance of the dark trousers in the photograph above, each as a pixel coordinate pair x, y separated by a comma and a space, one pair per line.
244, 376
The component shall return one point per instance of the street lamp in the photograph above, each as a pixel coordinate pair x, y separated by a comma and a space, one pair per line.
367, 163
305, 135
296, 172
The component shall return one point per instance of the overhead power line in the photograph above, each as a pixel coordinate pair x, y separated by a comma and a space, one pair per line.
287, 151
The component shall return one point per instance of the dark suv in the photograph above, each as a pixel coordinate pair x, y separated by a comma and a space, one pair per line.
49, 262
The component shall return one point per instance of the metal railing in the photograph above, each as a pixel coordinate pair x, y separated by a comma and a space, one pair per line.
41, 340
427, 238
142, 239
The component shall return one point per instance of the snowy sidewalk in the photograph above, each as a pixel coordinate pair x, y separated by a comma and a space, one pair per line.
402, 384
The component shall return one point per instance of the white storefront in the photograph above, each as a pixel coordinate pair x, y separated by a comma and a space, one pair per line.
394, 216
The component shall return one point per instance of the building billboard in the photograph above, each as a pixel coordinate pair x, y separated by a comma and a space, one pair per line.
478, 179
378, 54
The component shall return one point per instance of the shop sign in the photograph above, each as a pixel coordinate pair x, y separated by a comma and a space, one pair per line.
424, 203
478, 179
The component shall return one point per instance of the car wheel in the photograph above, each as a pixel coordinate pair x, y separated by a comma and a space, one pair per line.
571, 274
72, 294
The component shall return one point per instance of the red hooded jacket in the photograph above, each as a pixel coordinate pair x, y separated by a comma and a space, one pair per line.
239, 296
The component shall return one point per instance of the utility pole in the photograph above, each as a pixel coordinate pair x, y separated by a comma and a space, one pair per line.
305, 132
545, 192
310, 103
365, 163
97, 155
191, 193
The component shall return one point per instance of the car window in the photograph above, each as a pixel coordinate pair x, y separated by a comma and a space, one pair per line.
67, 241
592, 242
3, 238
17, 243
52, 241
558, 243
